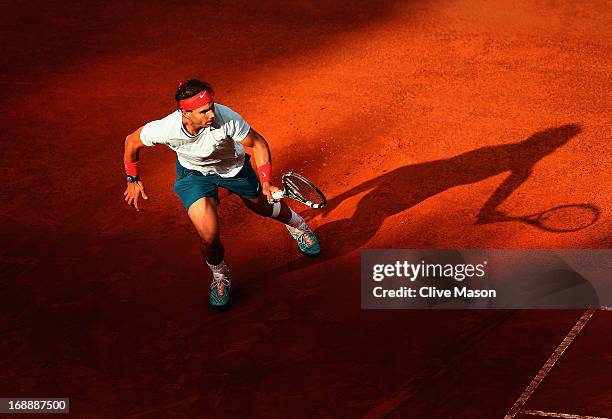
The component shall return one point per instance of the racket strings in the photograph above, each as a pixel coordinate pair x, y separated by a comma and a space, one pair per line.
302, 189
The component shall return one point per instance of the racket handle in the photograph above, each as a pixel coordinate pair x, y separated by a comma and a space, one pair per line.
278, 194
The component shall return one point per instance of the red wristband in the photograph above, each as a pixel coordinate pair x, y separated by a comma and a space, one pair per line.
131, 168
265, 172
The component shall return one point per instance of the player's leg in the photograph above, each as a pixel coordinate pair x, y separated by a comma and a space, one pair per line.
246, 185
200, 197
260, 205
203, 215
298, 228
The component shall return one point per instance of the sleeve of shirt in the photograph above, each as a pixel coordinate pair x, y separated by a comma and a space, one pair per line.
155, 132
237, 128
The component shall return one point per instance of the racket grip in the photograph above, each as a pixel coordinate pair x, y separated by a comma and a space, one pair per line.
278, 194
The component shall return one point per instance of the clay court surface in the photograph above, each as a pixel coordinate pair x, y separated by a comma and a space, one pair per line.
421, 121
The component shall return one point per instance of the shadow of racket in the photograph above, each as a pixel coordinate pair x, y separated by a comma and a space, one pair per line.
560, 219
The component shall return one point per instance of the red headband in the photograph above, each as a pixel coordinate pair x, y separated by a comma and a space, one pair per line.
195, 102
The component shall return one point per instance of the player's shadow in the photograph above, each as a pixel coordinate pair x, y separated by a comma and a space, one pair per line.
407, 186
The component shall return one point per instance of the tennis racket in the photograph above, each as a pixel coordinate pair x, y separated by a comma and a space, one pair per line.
296, 186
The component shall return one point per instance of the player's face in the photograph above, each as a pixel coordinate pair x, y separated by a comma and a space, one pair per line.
204, 116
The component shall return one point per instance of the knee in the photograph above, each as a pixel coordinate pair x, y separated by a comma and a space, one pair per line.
210, 239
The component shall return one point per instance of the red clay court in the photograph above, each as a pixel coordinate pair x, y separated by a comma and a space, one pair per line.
421, 121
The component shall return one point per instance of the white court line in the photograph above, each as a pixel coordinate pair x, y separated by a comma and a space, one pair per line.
552, 360
558, 415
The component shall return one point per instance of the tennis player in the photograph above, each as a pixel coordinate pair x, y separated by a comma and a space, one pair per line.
209, 140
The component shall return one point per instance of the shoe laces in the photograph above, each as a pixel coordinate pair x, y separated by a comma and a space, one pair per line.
220, 281
305, 234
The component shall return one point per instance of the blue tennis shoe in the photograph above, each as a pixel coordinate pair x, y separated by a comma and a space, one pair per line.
306, 240
220, 290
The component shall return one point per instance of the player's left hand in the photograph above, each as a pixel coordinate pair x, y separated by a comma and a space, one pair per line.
268, 189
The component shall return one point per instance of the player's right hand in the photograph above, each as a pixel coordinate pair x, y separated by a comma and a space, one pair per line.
133, 191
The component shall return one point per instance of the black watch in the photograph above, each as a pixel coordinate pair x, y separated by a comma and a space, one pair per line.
131, 179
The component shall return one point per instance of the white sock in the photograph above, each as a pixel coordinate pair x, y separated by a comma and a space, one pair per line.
297, 221
276, 209
221, 268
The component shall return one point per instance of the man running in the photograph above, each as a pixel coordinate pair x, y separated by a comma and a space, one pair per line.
209, 140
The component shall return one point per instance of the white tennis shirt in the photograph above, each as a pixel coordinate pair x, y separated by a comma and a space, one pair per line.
215, 149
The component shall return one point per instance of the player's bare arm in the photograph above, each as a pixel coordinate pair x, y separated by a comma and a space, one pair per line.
135, 187
263, 158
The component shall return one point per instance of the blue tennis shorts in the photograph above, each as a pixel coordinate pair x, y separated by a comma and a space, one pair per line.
191, 185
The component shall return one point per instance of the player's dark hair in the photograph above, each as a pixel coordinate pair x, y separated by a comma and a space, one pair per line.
190, 88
